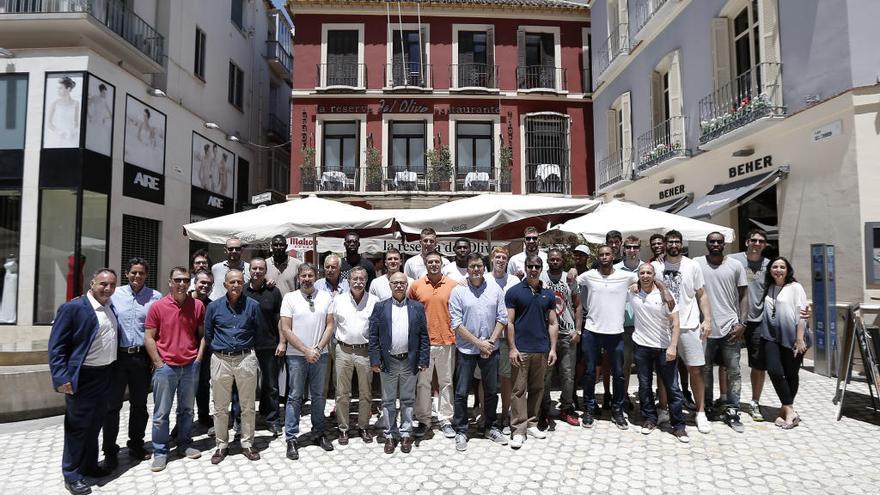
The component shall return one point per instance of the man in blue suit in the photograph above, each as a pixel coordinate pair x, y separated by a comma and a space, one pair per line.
82, 347
399, 350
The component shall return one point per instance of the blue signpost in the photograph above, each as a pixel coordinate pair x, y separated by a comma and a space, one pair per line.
824, 308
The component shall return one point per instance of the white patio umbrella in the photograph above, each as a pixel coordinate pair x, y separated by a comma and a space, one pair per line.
632, 219
494, 216
307, 216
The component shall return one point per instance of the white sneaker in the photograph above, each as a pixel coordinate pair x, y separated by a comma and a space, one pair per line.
535, 432
662, 416
517, 441
703, 425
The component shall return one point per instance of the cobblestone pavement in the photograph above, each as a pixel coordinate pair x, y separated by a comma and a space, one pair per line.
820, 456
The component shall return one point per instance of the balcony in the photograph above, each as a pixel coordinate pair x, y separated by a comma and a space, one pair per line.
340, 76
473, 77
363, 180
549, 178
411, 76
613, 50
97, 24
541, 78
614, 170
749, 103
651, 15
661, 147
277, 129
279, 59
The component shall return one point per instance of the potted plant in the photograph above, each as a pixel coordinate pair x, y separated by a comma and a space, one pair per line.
440, 167
307, 171
373, 169
505, 162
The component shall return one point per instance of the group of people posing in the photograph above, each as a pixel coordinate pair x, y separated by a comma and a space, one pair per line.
435, 331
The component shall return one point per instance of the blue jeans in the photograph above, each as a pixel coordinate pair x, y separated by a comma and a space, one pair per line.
646, 359
169, 381
464, 371
592, 344
299, 373
398, 381
730, 352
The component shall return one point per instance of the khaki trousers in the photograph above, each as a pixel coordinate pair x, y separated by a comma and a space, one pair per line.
348, 361
527, 393
241, 370
442, 360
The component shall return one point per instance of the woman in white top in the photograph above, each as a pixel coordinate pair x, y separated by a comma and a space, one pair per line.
655, 343
783, 336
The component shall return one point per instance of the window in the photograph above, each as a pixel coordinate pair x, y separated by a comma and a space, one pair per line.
140, 237
13, 105
666, 136
619, 130
746, 33
476, 59
538, 53
408, 146
342, 57
408, 55
474, 148
237, 15
199, 64
236, 86
587, 61
279, 174
546, 153
340, 147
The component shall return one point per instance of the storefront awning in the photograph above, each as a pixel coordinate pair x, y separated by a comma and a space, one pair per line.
673, 205
723, 197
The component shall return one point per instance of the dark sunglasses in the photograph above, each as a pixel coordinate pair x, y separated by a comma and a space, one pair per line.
757, 241
533, 267
311, 303
632, 247
530, 238
233, 248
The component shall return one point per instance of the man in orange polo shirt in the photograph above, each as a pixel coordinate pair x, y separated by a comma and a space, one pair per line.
433, 292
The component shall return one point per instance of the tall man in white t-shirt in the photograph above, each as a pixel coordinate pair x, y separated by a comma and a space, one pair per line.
381, 287
414, 268
307, 324
684, 279
725, 280
516, 265
603, 294
458, 270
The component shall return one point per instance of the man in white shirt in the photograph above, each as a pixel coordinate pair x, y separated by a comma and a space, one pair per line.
458, 271
684, 279
82, 348
381, 288
415, 268
516, 265
332, 283
504, 281
233, 260
307, 324
351, 317
726, 284
603, 294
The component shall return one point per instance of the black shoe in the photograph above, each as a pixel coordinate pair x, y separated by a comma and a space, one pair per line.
325, 443
619, 419
110, 462
689, 401
587, 419
419, 431
99, 471
139, 453
77, 487
542, 423
274, 429
366, 436
292, 450
731, 418
606, 402
628, 405
342, 437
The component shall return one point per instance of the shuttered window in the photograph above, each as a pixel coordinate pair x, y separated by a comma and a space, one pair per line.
140, 238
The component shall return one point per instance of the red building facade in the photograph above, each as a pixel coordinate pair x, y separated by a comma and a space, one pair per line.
398, 103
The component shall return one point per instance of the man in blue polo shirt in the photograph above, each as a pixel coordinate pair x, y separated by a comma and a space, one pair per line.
531, 333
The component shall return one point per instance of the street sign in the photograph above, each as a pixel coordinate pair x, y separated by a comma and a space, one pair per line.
261, 198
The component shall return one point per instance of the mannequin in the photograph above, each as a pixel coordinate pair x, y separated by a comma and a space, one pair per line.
9, 299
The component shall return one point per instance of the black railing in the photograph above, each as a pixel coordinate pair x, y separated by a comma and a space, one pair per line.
276, 51
754, 94
614, 168
410, 74
344, 74
111, 13
645, 10
615, 45
473, 75
662, 142
278, 128
541, 77
547, 178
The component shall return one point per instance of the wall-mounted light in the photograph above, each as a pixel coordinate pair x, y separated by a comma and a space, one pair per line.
211, 125
619, 195
744, 152
156, 92
234, 137
6, 53
667, 180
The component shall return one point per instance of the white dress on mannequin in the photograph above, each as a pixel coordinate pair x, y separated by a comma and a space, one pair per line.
10, 292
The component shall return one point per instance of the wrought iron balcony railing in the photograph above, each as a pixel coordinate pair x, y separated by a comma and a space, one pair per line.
615, 45
473, 75
276, 51
645, 10
341, 75
278, 128
408, 75
111, 13
662, 142
547, 178
754, 94
614, 168
541, 77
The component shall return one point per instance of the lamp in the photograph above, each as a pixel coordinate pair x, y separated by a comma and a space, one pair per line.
744, 152
156, 92
667, 180
6, 53
619, 195
211, 125
234, 137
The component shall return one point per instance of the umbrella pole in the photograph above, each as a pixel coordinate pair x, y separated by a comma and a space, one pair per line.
315, 249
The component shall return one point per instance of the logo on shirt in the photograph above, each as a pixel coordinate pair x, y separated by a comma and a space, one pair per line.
672, 279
